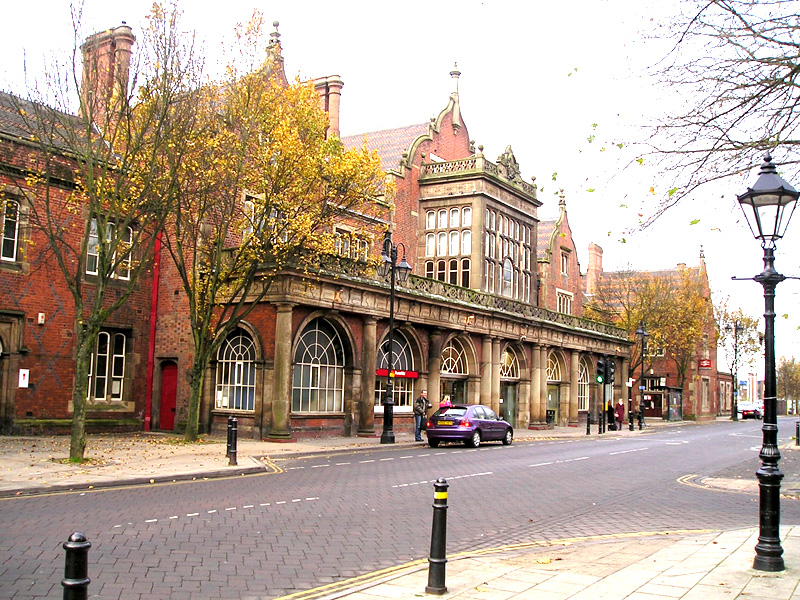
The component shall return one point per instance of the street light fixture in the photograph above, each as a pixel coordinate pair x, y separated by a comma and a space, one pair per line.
737, 329
642, 334
765, 208
397, 272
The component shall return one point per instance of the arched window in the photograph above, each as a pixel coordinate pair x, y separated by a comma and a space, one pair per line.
509, 365
553, 369
454, 361
441, 249
583, 387
402, 360
236, 372
441, 270
454, 238
454, 217
429, 269
466, 217
318, 374
465, 269
453, 271
430, 245
107, 366
508, 278
430, 220
10, 230
466, 242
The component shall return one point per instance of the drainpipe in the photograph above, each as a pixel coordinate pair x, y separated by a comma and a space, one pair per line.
151, 347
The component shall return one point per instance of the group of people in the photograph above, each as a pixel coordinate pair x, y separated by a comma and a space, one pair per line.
421, 406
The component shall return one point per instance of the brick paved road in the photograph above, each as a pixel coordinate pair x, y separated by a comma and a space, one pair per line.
330, 517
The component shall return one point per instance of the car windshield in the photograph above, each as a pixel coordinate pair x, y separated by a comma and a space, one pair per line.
451, 411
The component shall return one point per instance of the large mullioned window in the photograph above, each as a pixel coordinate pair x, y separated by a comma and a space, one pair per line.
236, 372
318, 375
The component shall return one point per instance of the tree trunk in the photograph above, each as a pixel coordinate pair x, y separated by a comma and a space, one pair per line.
77, 442
196, 394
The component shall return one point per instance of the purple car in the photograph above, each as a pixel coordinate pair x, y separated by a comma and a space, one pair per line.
468, 423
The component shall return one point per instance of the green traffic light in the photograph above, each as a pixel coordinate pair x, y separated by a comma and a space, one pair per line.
599, 379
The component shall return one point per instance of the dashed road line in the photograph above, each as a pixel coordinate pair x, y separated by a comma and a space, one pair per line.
627, 451
450, 478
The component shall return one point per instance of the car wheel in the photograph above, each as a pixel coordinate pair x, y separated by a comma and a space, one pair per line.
433, 443
508, 437
475, 440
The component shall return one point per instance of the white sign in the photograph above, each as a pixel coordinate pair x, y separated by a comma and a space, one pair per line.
24, 376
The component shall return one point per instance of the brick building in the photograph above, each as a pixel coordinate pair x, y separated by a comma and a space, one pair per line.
474, 321
700, 396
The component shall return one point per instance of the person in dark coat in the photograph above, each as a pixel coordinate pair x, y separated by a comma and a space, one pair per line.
421, 406
619, 414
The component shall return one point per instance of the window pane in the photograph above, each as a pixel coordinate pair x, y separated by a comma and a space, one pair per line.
440, 270
454, 217
466, 217
465, 272
466, 245
10, 230
430, 220
454, 272
453, 243
442, 219
442, 249
429, 269
430, 245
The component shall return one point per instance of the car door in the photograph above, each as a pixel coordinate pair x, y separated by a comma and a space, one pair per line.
494, 423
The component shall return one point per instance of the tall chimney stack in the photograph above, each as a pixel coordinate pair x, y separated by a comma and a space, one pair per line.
106, 70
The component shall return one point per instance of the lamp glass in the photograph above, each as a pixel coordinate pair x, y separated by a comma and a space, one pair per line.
385, 266
403, 270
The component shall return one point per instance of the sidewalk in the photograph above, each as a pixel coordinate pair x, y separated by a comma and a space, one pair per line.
692, 565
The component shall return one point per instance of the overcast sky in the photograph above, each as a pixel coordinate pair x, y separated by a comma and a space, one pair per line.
534, 75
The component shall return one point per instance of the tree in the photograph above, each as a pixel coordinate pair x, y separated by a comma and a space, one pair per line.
734, 66
789, 380
259, 192
110, 155
674, 306
739, 337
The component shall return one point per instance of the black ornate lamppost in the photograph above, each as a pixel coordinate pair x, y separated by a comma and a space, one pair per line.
399, 272
768, 207
735, 401
642, 334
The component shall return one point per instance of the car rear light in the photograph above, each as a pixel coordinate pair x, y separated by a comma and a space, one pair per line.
464, 423
428, 424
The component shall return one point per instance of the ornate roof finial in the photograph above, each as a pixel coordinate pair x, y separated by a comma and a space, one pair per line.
455, 73
702, 253
274, 37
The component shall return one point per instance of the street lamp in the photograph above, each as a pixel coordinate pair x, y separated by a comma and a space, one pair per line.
737, 328
642, 334
396, 271
765, 208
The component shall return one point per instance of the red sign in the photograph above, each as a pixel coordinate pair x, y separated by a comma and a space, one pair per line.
705, 363
401, 374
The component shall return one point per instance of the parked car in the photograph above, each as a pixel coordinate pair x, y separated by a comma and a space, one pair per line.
749, 410
468, 423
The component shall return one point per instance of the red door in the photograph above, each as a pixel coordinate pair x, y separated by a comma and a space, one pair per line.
169, 392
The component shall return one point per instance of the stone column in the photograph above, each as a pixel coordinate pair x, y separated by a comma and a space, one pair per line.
495, 375
574, 378
486, 371
434, 367
369, 355
543, 352
535, 389
524, 397
282, 389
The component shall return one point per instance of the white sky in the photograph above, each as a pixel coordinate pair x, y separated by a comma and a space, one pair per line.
534, 75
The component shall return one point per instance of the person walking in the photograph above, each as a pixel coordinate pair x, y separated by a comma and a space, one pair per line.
421, 406
619, 414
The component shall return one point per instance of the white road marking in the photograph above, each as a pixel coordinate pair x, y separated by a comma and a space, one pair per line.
450, 478
366, 461
628, 451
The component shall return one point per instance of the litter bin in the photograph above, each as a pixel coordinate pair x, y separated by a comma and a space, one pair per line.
551, 417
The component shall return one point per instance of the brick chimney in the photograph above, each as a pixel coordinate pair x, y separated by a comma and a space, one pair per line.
106, 69
595, 269
330, 95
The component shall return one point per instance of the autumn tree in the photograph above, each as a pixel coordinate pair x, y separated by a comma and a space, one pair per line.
110, 156
673, 305
733, 65
740, 339
259, 193
789, 381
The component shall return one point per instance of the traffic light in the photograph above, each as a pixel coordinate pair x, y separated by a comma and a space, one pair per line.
600, 377
611, 366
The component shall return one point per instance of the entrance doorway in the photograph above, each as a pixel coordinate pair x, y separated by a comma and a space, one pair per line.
552, 404
169, 393
508, 402
456, 389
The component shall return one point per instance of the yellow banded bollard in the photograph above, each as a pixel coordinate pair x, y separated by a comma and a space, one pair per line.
437, 559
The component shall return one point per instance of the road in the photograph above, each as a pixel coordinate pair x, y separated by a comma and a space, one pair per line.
325, 518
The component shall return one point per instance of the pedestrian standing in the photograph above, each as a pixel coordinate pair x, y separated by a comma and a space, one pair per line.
619, 414
421, 406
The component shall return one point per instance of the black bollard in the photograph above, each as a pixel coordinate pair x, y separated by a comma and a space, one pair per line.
234, 434
641, 419
437, 559
588, 423
797, 433
228, 447
76, 568
630, 420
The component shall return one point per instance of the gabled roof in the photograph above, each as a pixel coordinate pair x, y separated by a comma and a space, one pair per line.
544, 236
390, 144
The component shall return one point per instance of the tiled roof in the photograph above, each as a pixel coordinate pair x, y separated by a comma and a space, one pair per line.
543, 235
389, 143
21, 118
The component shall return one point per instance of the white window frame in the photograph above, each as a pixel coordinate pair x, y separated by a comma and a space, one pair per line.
564, 301
107, 365
10, 234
